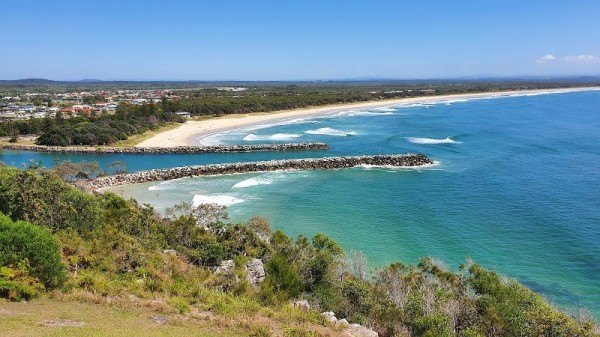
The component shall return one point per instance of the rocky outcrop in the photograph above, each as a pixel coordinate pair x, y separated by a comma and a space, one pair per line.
255, 272
171, 150
329, 316
355, 330
226, 267
327, 163
302, 304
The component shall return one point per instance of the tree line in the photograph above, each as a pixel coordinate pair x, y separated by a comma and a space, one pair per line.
91, 130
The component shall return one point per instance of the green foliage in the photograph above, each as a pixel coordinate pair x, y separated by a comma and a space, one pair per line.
107, 129
16, 284
21, 241
180, 305
70, 171
282, 280
41, 197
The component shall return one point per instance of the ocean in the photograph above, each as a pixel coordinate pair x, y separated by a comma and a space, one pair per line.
516, 186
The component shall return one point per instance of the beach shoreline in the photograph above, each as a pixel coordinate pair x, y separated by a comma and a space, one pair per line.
190, 130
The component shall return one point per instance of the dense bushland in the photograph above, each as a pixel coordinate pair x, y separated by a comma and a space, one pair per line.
113, 247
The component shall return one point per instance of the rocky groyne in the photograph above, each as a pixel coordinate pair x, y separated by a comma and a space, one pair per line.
328, 163
171, 150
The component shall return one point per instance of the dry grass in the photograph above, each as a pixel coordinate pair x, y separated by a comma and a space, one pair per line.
133, 140
21, 141
82, 314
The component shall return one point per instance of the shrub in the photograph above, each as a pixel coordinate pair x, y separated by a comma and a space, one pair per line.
22, 240
16, 284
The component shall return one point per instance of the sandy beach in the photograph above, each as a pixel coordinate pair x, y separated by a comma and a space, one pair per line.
183, 135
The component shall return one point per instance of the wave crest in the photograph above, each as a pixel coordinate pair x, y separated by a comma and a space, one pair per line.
331, 132
252, 182
278, 136
163, 186
224, 200
418, 140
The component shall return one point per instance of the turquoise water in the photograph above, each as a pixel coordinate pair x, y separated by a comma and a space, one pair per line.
516, 188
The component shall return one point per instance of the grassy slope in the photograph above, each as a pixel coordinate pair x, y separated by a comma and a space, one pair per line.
28, 319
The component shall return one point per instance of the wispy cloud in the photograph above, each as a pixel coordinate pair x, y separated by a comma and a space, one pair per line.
546, 58
581, 58
584, 58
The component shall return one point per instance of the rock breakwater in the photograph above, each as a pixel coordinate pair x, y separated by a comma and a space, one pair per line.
171, 150
327, 163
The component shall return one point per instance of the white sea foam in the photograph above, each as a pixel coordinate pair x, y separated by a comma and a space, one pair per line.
280, 123
252, 182
163, 186
278, 136
417, 140
358, 113
252, 137
284, 136
220, 199
385, 109
370, 113
331, 132
211, 140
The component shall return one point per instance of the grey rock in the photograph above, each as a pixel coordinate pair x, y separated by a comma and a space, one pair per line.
302, 304
226, 267
329, 316
159, 319
170, 251
357, 330
255, 272
406, 160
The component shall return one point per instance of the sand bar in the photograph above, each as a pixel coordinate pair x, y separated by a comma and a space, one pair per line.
183, 135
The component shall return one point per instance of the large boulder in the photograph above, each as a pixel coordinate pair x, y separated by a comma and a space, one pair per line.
357, 330
255, 272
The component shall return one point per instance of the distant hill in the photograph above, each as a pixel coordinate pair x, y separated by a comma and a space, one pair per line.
28, 82
96, 83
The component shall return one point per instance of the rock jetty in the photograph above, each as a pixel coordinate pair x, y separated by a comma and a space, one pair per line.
171, 150
327, 163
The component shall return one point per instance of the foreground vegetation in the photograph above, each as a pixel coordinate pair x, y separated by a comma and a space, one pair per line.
58, 242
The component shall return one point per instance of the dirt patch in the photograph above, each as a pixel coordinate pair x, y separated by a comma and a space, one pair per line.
61, 322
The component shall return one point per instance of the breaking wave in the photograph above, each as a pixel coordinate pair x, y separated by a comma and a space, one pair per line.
163, 186
224, 200
278, 136
252, 182
331, 132
417, 140
374, 112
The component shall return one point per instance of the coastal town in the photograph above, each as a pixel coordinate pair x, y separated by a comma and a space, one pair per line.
73, 104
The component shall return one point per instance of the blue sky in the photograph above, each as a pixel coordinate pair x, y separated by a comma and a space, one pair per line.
297, 40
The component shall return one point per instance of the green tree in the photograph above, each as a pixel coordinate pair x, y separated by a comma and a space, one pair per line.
22, 241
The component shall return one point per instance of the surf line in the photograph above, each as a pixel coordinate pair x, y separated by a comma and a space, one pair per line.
326, 163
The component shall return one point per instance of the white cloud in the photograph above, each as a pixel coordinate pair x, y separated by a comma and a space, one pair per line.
546, 58
581, 58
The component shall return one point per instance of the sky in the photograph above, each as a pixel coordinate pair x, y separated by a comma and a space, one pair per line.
297, 39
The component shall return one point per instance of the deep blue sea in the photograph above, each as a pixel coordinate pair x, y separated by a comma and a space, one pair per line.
516, 187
